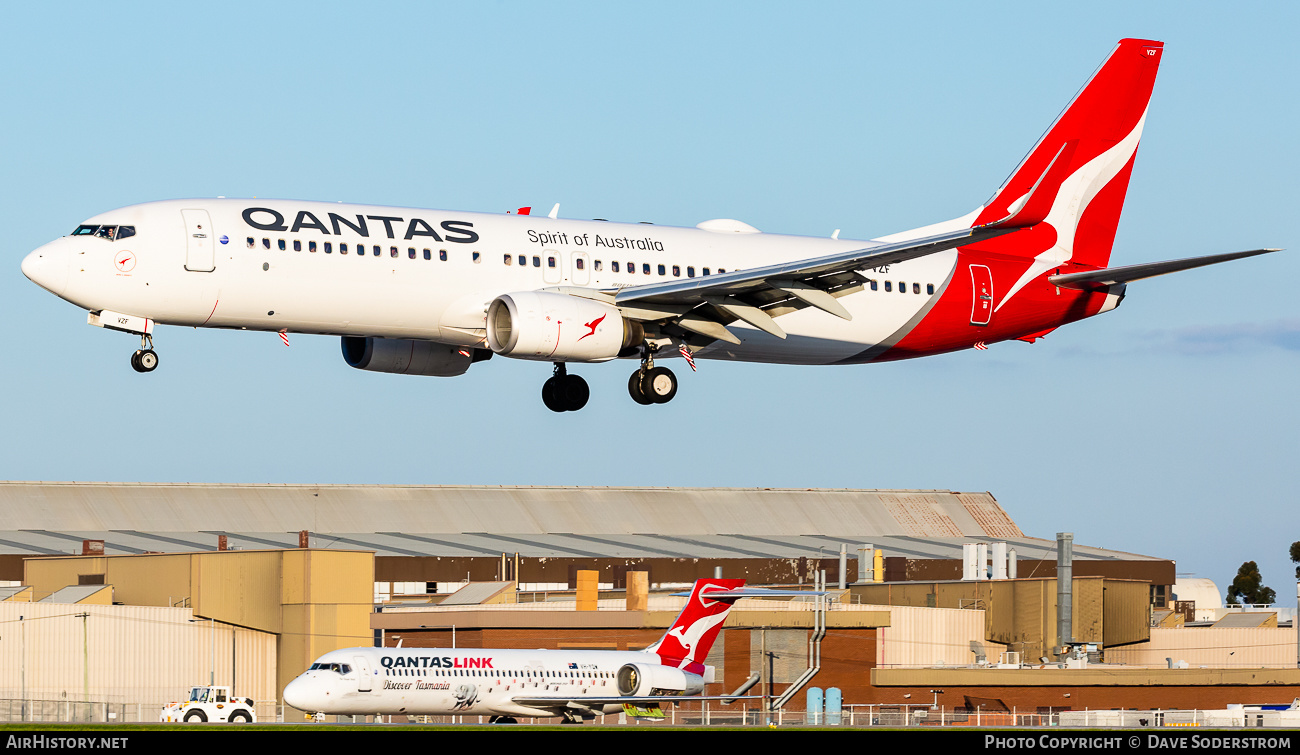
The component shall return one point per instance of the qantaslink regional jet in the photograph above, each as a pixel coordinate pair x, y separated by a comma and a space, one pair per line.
505, 684
437, 291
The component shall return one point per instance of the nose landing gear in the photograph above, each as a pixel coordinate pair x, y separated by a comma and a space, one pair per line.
564, 392
145, 359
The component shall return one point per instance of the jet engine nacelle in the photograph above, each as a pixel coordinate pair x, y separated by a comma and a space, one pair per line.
409, 357
642, 679
558, 328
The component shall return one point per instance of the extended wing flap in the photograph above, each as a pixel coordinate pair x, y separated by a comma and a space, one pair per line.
1097, 279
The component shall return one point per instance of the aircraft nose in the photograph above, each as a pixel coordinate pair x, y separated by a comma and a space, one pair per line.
47, 267
301, 694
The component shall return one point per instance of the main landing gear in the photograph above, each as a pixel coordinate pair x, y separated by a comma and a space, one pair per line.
145, 359
650, 384
564, 392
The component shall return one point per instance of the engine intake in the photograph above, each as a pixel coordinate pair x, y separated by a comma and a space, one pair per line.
558, 328
643, 679
405, 356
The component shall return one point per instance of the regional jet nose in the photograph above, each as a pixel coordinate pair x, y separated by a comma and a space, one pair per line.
302, 693
47, 267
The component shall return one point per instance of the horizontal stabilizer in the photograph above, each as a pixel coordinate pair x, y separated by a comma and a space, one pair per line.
1097, 279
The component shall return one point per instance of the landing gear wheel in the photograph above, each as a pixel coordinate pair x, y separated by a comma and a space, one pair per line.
147, 359
634, 388
574, 392
551, 394
659, 385
564, 392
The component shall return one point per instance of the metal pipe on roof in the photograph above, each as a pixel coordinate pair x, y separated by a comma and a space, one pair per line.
1064, 589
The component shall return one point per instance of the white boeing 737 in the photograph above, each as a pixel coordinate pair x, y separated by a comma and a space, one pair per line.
506, 684
430, 292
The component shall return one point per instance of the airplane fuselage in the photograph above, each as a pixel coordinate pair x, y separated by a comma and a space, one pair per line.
400, 273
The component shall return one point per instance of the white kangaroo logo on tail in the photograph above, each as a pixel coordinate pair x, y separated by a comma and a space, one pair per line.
689, 636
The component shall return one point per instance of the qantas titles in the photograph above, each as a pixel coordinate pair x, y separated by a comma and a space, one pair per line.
266, 219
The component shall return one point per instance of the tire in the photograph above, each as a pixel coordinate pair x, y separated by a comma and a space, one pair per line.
551, 395
659, 385
634, 389
135, 361
240, 717
196, 715
574, 392
148, 360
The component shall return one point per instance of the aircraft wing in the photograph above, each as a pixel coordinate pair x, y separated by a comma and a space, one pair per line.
705, 306
1098, 279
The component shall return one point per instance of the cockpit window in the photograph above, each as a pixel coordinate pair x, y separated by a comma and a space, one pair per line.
341, 668
110, 232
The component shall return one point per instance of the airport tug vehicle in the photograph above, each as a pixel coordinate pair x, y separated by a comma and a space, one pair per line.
214, 704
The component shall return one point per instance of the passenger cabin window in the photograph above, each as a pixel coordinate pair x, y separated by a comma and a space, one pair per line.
266, 243
477, 257
598, 266
442, 254
329, 247
537, 261
550, 262
379, 252
252, 242
510, 260
311, 246
579, 264
410, 252
343, 248
614, 266
705, 271
392, 251
929, 289
645, 268
297, 245
874, 285
916, 288
663, 270
523, 261
281, 245
428, 255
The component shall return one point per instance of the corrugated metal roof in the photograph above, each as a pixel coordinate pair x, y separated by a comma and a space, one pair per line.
546, 522
475, 593
72, 594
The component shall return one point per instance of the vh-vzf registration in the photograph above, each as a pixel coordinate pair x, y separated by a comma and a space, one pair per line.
435, 291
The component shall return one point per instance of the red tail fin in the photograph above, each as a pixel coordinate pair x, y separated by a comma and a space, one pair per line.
688, 640
1074, 180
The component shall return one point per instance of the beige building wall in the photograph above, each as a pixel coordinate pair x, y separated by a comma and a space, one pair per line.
314, 600
135, 654
931, 637
1234, 647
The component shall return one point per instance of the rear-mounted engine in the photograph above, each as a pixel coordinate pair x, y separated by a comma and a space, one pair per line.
643, 679
558, 328
408, 357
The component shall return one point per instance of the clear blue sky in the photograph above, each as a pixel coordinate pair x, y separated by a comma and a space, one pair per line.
1167, 427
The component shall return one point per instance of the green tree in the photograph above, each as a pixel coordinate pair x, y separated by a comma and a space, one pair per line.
1248, 586
1295, 557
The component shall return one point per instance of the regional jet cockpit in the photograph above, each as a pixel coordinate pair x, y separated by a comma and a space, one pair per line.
341, 668
109, 232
